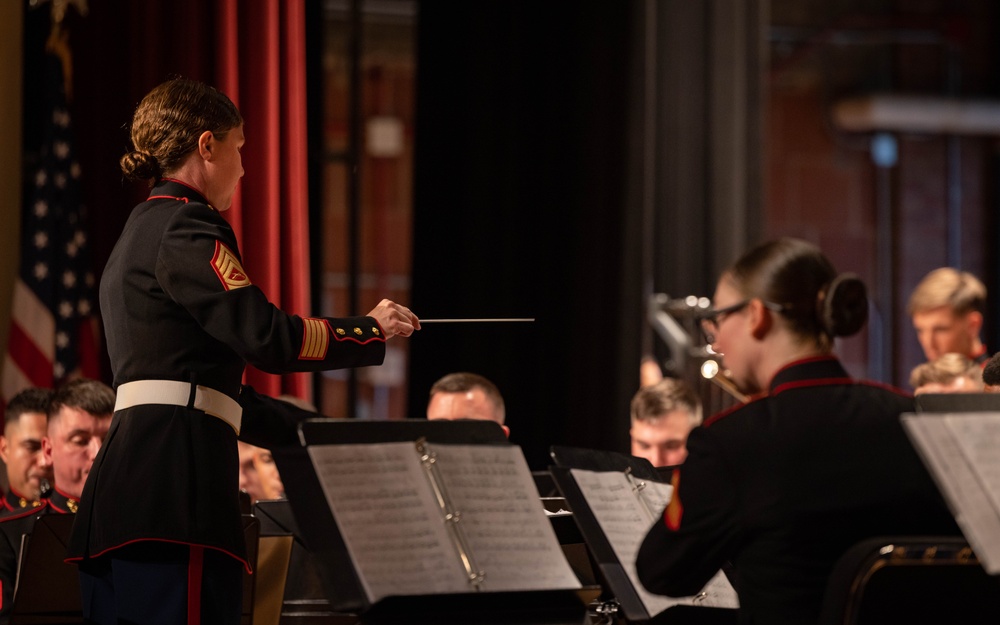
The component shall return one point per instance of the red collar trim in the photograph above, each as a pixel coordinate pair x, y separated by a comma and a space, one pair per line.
728, 411
64, 493
806, 383
201, 195
20, 514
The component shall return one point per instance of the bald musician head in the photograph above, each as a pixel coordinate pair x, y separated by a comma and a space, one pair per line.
466, 396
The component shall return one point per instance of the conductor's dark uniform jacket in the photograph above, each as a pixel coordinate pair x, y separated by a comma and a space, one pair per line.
785, 484
179, 307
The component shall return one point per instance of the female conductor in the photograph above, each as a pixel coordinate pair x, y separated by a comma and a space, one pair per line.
158, 534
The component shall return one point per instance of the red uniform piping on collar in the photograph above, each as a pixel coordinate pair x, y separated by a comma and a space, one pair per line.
794, 384
20, 514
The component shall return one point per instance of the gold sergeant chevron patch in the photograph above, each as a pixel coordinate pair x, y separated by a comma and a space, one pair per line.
315, 339
228, 268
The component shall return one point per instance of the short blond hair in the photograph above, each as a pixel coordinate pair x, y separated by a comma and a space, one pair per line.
959, 290
946, 369
651, 403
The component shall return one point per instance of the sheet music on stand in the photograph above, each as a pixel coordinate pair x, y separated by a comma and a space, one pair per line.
415, 525
960, 452
614, 510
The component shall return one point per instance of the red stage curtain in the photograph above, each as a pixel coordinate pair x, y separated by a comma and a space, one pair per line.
260, 64
254, 51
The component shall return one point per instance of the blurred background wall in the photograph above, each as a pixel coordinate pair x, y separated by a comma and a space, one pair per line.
569, 160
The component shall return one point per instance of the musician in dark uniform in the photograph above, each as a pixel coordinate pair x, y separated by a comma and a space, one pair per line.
159, 530
947, 308
78, 415
21, 449
814, 462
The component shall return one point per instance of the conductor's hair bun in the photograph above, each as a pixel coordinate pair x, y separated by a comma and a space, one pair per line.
140, 166
844, 308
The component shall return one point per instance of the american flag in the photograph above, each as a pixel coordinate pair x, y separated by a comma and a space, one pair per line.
51, 334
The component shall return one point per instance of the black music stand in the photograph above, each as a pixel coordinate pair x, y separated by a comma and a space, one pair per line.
48, 588
305, 599
321, 535
614, 578
957, 402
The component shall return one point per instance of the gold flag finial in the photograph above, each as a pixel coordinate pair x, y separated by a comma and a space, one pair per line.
58, 41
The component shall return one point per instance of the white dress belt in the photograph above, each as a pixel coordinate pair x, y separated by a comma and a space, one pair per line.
174, 393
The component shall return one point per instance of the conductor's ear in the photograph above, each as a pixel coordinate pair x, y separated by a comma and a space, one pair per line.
205, 144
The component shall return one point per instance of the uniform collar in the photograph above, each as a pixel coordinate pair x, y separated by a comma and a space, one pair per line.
170, 187
16, 501
63, 503
809, 369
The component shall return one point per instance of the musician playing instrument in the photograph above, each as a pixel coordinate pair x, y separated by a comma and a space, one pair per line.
813, 463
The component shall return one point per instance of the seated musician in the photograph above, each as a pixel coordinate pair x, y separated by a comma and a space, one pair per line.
21, 449
948, 373
662, 416
259, 477
991, 374
814, 462
947, 309
79, 415
466, 396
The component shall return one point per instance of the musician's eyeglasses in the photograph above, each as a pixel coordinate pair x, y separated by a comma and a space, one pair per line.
712, 319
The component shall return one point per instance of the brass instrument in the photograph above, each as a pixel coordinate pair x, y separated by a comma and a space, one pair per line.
711, 371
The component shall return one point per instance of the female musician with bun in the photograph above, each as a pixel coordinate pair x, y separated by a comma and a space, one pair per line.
814, 462
158, 534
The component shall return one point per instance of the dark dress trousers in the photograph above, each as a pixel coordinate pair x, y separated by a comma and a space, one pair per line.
783, 485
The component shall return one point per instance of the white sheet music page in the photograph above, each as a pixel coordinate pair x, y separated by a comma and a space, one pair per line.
502, 518
625, 524
978, 435
938, 443
389, 519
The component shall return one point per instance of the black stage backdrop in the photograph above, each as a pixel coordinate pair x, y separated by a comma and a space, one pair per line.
521, 211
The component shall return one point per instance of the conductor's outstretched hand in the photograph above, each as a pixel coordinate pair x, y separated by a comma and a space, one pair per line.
395, 319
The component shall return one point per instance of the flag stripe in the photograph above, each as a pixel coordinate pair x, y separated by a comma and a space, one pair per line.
30, 361
13, 378
54, 295
34, 319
